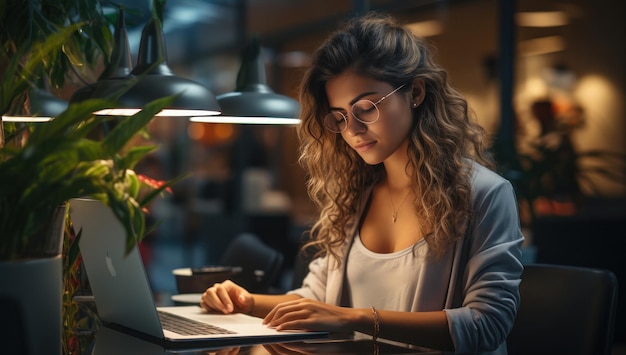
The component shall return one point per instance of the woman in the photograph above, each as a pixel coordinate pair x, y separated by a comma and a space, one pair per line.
420, 242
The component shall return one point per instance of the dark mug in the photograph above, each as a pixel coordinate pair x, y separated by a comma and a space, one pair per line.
197, 280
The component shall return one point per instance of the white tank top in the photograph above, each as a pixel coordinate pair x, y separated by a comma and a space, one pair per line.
385, 281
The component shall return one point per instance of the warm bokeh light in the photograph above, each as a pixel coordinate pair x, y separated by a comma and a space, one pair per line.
195, 131
541, 19
223, 132
211, 134
536, 88
426, 28
542, 45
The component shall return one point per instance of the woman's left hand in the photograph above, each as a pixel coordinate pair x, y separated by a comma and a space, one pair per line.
307, 314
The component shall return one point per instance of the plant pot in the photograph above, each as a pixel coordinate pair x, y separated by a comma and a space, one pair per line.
31, 295
30, 306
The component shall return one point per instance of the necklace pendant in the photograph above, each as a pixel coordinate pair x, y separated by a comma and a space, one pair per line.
395, 211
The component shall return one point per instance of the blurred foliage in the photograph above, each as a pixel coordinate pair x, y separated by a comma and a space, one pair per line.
553, 176
59, 161
24, 23
43, 166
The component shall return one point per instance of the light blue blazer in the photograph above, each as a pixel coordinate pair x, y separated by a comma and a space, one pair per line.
476, 282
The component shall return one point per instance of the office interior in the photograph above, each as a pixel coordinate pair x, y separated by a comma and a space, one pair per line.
533, 71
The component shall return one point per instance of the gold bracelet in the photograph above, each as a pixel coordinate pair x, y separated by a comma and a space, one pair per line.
376, 324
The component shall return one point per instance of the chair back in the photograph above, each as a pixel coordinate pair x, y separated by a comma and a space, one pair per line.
564, 310
301, 265
261, 265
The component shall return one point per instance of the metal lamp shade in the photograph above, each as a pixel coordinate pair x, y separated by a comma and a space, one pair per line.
253, 102
151, 79
261, 107
117, 73
41, 106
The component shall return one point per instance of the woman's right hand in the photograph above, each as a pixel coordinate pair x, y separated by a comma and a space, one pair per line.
227, 297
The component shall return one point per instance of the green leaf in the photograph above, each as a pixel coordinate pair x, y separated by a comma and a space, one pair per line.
74, 116
127, 128
134, 155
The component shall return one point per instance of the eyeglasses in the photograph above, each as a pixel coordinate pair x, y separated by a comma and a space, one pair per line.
365, 111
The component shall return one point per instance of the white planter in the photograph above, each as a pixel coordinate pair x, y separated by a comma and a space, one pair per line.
31, 295
33, 290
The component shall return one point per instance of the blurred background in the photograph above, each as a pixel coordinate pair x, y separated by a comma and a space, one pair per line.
546, 78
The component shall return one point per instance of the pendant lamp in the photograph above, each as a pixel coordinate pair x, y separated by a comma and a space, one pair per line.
151, 79
116, 74
253, 101
38, 106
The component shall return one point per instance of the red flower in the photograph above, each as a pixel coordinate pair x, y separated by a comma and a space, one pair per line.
153, 183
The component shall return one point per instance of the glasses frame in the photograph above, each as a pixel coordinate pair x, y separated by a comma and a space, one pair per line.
345, 116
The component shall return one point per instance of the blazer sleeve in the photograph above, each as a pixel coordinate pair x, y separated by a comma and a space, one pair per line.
491, 278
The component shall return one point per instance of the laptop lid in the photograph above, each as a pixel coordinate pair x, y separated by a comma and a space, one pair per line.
123, 295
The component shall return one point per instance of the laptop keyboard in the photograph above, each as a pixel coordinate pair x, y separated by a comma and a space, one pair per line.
185, 326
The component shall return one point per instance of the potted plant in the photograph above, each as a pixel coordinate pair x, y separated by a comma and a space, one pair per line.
42, 167
58, 162
553, 175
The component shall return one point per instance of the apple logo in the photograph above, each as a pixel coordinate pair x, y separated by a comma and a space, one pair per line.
109, 263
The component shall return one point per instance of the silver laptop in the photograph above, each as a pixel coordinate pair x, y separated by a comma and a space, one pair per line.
124, 299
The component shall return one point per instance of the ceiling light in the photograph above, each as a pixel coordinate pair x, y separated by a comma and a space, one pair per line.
541, 19
151, 79
39, 106
253, 102
426, 28
116, 73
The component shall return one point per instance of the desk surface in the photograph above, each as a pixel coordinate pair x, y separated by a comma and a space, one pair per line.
109, 341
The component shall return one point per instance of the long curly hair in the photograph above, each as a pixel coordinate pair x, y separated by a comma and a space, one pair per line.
443, 142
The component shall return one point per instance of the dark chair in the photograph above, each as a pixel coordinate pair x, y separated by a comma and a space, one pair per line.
261, 265
301, 265
565, 310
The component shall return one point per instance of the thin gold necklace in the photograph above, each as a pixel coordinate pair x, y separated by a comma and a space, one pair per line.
394, 217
